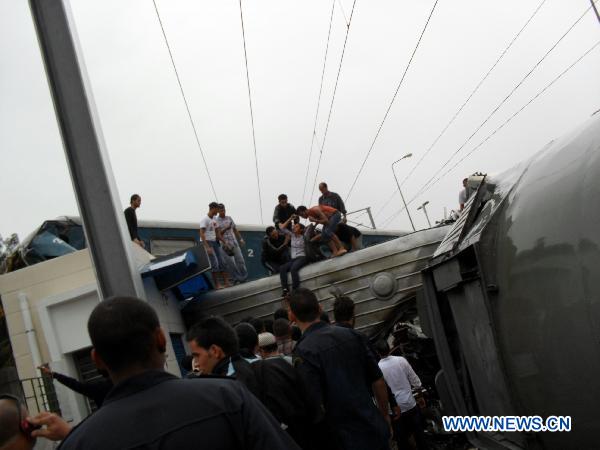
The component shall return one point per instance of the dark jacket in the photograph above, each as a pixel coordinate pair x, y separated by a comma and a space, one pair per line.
280, 215
158, 411
238, 368
94, 389
334, 200
131, 219
336, 368
274, 250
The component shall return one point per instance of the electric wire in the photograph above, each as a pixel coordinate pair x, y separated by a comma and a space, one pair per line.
187, 106
514, 89
472, 93
535, 97
391, 103
314, 133
251, 114
337, 79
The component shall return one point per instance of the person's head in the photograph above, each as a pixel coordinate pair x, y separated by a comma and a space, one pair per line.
15, 431
135, 201
298, 229
281, 328
211, 340
324, 317
267, 345
465, 181
272, 232
283, 200
213, 208
258, 324
126, 337
382, 348
222, 211
247, 337
343, 310
302, 211
268, 325
323, 187
304, 307
280, 313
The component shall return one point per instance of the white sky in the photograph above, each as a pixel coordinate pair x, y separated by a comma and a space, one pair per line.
152, 147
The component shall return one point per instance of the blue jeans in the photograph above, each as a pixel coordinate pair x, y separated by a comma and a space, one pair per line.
292, 266
329, 229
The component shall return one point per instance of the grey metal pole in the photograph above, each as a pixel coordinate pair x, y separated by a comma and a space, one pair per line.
399, 190
107, 237
424, 208
371, 217
595, 9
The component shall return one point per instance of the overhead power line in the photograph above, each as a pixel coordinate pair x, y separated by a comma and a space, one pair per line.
314, 133
489, 136
187, 106
473, 93
251, 114
514, 89
337, 79
391, 103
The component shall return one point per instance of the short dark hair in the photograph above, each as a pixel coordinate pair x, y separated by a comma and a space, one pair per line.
382, 348
304, 305
282, 197
343, 309
268, 325
122, 332
214, 331
247, 336
323, 184
212, 205
269, 229
280, 313
325, 317
300, 209
281, 328
134, 197
10, 419
258, 324
186, 362
221, 206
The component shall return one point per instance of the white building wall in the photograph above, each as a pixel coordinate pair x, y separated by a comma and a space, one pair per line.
61, 294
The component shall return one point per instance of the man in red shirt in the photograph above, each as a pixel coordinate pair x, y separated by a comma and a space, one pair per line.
328, 217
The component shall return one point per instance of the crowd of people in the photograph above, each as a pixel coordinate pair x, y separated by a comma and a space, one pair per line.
288, 245
290, 381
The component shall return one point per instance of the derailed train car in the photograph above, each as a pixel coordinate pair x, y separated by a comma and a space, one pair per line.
512, 297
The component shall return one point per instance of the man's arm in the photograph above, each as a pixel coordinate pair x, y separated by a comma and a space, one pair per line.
276, 214
342, 207
207, 247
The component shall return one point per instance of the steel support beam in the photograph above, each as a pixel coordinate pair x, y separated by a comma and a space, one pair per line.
107, 237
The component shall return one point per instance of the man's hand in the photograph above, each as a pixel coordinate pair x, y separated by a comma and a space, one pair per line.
397, 412
139, 242
45, 370
53, 426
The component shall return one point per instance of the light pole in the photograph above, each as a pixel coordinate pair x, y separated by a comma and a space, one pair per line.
424, 208
408, 155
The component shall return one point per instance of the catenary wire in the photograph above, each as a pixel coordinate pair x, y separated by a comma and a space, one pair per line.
514, 89
187, 106
251, 114
314, 133
391, 103
337, 79
535, 97
472, 93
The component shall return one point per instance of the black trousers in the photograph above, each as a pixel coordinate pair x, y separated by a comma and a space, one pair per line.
410, 423
292, 266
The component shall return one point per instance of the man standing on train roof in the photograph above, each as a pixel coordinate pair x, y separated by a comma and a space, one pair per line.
331, 199
283, 211
463, 195
210, 235
131, 218
232, 240
328, 217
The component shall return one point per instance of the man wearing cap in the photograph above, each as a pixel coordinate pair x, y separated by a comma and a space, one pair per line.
282, 390
232, 240
210, 235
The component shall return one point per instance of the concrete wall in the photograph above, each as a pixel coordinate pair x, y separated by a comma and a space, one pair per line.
60, 295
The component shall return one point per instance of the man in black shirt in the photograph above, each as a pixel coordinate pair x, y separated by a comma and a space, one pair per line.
131, 218
336, 368
283, 211
215, 348
349, 236
331, 199
275, 250
151, 409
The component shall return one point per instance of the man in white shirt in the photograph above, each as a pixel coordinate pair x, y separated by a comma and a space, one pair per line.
210, 235
401, 378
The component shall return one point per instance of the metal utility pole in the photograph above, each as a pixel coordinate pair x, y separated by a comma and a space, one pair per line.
107, 237
424, 208
593, 2
408, 155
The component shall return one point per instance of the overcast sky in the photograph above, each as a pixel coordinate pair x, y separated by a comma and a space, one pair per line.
151, 144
